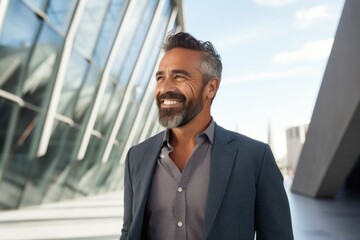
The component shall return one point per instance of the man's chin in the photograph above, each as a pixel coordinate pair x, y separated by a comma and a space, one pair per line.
171, 122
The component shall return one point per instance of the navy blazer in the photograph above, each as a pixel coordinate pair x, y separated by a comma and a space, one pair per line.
246, 192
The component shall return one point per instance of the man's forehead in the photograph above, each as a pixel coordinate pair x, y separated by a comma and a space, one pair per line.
181, 57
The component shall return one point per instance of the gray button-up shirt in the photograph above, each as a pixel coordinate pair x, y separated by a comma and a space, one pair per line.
176, 204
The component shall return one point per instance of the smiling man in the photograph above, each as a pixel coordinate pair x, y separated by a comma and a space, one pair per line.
197, 180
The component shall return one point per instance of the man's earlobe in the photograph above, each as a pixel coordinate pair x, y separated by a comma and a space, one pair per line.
213, 87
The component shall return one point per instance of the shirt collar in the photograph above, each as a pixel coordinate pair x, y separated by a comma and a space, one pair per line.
208, 132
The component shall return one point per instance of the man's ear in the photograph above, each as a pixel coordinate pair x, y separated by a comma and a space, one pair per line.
212, 87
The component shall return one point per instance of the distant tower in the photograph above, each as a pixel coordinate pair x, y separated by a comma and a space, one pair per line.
271, 140
295, 138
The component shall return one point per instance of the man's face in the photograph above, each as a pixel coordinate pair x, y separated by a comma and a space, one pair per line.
179, 87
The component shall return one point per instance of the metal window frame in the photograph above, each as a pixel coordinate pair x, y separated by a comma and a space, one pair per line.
131, 83
104, 80
148, 93
59, 81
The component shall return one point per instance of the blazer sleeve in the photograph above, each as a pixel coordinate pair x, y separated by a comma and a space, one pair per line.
128, 200
272, 212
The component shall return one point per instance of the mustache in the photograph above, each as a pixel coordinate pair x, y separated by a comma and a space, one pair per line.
171, 95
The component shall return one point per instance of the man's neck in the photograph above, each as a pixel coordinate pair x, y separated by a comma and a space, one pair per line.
185, 135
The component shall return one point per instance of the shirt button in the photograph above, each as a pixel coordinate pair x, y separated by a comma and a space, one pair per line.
180, 224
180, 189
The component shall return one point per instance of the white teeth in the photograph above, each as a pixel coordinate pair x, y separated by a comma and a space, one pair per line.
170, 102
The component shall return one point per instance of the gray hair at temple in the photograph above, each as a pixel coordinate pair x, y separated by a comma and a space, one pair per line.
211, 64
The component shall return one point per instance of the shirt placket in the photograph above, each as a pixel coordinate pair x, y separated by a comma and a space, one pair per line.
180, 208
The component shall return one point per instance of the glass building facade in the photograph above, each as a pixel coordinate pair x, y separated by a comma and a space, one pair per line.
76, 92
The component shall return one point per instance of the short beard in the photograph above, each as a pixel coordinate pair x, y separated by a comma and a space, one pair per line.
170, 119
179, 119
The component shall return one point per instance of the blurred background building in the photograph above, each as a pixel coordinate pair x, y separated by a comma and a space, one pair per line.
75, 93
329, 160
295, 138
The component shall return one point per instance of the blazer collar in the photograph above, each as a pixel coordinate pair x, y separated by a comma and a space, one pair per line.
148, 163
222, 161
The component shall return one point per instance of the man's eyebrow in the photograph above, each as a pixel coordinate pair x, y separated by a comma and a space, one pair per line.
175, 71
183, 72
158, 73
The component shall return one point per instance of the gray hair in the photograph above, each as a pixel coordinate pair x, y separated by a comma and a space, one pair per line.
211, 65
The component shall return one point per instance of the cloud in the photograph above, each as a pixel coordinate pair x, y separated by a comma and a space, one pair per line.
241, 37
305, 18
273, 3
237, 40
310, 51
268, 75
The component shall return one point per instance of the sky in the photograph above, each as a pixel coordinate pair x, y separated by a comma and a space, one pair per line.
274, 53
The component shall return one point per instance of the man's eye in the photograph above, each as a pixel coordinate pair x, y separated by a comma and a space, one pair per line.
179, 77
158, 78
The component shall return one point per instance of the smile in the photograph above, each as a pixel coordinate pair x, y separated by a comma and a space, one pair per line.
170, 102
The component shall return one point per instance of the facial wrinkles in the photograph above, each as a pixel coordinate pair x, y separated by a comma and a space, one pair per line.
182, 94
175, 117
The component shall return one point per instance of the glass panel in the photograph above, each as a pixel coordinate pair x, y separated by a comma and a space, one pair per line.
16, 39
86, 94
145, 118
61, 155
153, 124
99, 181
112, 22
131, 56
82, 170
109, 107
41, 70
127, 124
137, 36
18, 165
9, 112
151, 55
72, 84
90, 25
111, 182
59, 14
38, 4
45, 167
131, 44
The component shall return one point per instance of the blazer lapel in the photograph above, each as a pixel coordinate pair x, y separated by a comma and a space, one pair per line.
148, 163
222, 161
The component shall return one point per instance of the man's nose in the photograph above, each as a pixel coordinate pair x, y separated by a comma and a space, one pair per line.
167, 85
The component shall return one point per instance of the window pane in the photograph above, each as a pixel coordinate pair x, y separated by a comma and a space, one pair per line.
109, 107
59, 14
41, 69
16, 40
9, 111
82, 171
113, 19
47, 167
60, 154
38, 4
18, 165
72, 83
90, 25
132, 43
86, 94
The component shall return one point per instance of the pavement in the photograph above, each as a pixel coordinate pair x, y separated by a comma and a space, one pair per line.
100, 218
92, 218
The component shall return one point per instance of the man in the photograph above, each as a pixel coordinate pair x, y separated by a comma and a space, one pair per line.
197, 180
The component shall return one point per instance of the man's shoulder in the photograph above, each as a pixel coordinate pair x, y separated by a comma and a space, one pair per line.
151, 141
238, 137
